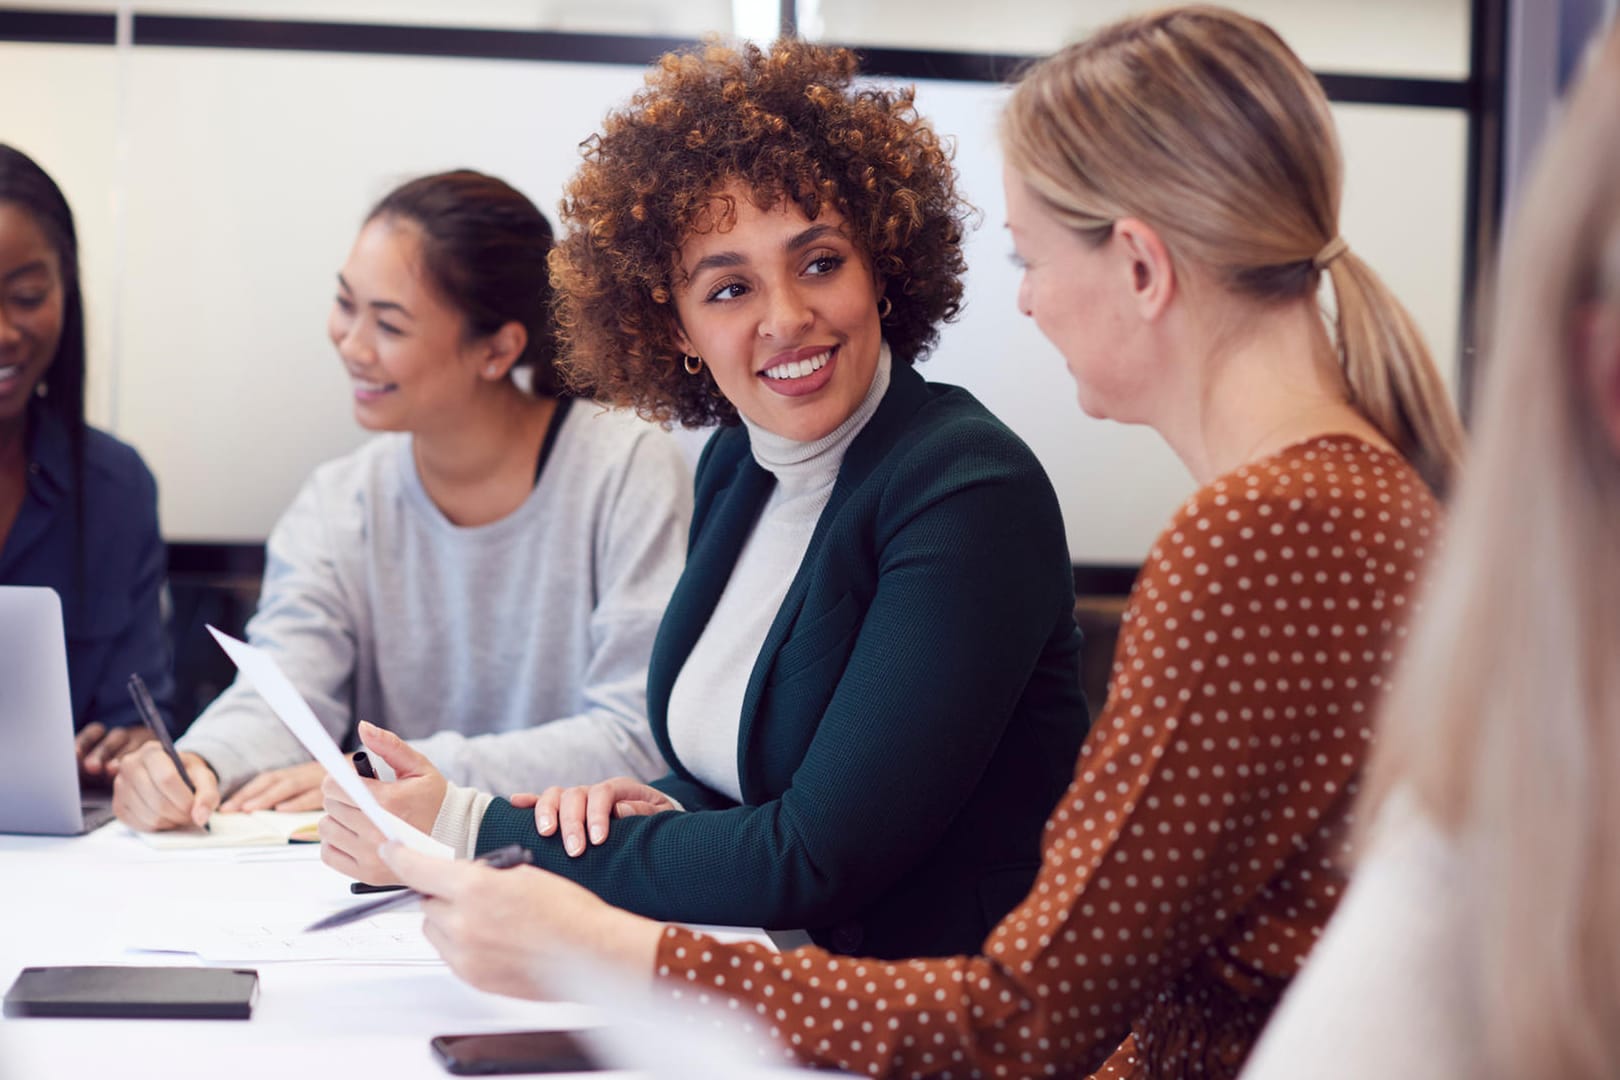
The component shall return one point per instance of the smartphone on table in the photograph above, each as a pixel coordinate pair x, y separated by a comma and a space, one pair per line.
514, 1053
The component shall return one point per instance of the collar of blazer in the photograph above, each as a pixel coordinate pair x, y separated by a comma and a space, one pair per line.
728, 516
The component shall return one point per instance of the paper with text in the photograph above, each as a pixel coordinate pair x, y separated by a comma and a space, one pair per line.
284, 700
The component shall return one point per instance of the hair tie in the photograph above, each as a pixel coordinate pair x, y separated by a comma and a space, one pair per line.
1330, 251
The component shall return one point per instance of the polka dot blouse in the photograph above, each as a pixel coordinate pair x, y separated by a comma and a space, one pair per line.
1195, 857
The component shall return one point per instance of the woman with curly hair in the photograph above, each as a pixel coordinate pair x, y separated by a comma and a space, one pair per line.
1173, 193
866, 682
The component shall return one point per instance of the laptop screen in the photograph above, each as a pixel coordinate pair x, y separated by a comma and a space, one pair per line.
41, 792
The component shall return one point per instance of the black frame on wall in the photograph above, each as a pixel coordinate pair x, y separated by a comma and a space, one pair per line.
1481, 96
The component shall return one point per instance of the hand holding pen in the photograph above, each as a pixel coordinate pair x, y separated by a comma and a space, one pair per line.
500, 859
156, 788
506, 932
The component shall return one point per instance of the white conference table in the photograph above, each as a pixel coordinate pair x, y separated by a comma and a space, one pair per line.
87, 900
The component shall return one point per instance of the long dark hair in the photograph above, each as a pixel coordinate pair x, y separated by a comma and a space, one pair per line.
24, 184
485, 245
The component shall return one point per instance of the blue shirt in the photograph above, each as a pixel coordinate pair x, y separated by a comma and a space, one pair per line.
111, 607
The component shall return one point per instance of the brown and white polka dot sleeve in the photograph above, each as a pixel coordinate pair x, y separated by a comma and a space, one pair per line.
1194, 859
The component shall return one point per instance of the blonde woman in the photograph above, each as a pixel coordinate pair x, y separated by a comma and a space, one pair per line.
1173, 189
1479, 937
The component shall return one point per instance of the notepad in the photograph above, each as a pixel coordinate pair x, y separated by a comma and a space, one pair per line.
257, 828
137, 992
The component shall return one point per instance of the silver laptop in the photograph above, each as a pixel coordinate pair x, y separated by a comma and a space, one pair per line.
41, 789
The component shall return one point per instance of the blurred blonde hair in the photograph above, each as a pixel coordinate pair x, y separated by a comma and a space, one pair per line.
1203, 123
1505, 718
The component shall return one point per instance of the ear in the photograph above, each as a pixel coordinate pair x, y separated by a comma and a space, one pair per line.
502, 349
682, 342
1152, 280
1598, 351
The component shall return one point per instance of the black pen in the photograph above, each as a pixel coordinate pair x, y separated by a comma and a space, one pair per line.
501, 859
363, 766
147, 708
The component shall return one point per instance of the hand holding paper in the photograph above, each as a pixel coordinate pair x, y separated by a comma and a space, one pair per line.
284, 700
349, 841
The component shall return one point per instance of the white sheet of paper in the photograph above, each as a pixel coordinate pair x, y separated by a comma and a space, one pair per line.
267, 933
284, 700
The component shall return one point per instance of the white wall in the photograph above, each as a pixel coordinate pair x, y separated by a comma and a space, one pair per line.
250, 193
74, 138
662, 18
1398, 37
247, 174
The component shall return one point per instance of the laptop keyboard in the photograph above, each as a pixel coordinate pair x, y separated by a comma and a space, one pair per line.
97, 811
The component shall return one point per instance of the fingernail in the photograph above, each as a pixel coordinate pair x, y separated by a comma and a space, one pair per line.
598, 834
573, 844
547, 824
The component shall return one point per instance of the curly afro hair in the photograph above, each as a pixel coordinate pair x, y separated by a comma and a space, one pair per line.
785, 124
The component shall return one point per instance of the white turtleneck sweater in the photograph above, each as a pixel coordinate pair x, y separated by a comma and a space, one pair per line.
705, 704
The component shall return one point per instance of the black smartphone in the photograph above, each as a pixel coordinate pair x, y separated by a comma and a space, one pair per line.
514, 1052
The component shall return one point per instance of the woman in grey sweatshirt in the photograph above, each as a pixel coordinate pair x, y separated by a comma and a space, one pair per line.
485, 577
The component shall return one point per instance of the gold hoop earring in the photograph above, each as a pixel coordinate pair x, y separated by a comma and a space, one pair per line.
693, 364
885, 306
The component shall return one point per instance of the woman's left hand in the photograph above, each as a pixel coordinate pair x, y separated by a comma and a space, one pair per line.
502, 930
99, 747
348, 838
577, 808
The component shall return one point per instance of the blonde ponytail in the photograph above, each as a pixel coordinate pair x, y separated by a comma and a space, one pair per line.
1203, 123
1391, 375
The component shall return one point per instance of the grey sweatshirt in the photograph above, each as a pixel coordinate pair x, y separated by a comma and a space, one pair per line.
513, 654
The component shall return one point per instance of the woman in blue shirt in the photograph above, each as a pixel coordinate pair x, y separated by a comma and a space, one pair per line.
78, 508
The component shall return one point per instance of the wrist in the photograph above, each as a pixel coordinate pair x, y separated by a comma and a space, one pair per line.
629, 941
195, 761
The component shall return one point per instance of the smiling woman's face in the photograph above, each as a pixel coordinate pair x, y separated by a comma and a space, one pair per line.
403, 345
783, 311
31, 305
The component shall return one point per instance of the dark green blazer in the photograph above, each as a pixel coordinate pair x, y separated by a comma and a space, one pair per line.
913, 715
